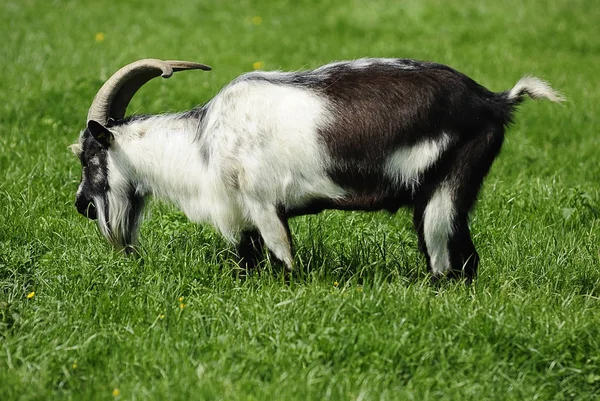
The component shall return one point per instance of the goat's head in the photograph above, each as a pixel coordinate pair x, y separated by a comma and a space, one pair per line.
104, 193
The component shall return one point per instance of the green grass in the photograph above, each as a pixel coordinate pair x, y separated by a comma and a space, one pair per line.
529, 328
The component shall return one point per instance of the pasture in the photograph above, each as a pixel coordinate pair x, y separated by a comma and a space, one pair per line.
359, 320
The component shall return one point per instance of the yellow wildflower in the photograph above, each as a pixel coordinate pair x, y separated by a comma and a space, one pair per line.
257, 20
100, 37
359, 288
116, 392
335, 283
162, 316
180, 299
31, 295
182, 305
74, 366
257, 65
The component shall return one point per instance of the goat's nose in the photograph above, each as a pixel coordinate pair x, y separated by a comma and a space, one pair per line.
86, 208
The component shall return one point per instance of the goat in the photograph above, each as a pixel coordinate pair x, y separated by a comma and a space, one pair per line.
369, 134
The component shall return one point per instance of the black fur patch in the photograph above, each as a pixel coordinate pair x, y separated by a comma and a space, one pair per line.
135, 208
94, 176
383, 105
381, 108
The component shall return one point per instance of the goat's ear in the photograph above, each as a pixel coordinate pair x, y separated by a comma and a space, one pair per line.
75, 148
100, 133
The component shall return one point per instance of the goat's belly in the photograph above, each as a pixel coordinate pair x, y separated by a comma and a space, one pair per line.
363, 201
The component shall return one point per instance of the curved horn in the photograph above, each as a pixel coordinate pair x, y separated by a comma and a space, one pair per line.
116, 93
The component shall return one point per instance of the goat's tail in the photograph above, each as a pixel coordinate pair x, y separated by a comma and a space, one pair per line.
535, 88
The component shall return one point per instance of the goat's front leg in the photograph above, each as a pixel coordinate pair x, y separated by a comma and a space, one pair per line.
250, 249
274, 229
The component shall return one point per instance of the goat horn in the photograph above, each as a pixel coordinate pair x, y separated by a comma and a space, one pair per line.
112, 99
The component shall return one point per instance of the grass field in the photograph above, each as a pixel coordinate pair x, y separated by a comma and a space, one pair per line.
360, 321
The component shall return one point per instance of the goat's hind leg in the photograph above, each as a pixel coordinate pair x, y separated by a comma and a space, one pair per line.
434, 219
444, 235
442, 217
469, 168
464, 259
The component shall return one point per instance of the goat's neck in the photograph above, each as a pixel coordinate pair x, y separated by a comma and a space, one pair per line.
164, 156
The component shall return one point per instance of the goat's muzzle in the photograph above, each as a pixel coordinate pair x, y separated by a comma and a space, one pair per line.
86, 207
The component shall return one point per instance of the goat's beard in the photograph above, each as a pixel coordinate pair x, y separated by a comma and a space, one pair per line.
119, 218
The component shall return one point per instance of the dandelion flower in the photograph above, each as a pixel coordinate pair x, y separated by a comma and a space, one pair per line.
257, 65
116, 392
100, 37
257, 20
31, 295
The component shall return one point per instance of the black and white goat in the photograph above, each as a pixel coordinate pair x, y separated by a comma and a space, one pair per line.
369, 134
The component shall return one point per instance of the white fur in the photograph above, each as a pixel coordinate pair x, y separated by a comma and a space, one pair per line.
438, 225
146, 156
102, 220
536, 88
263, 152
407, 164
270, 131
118, 201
